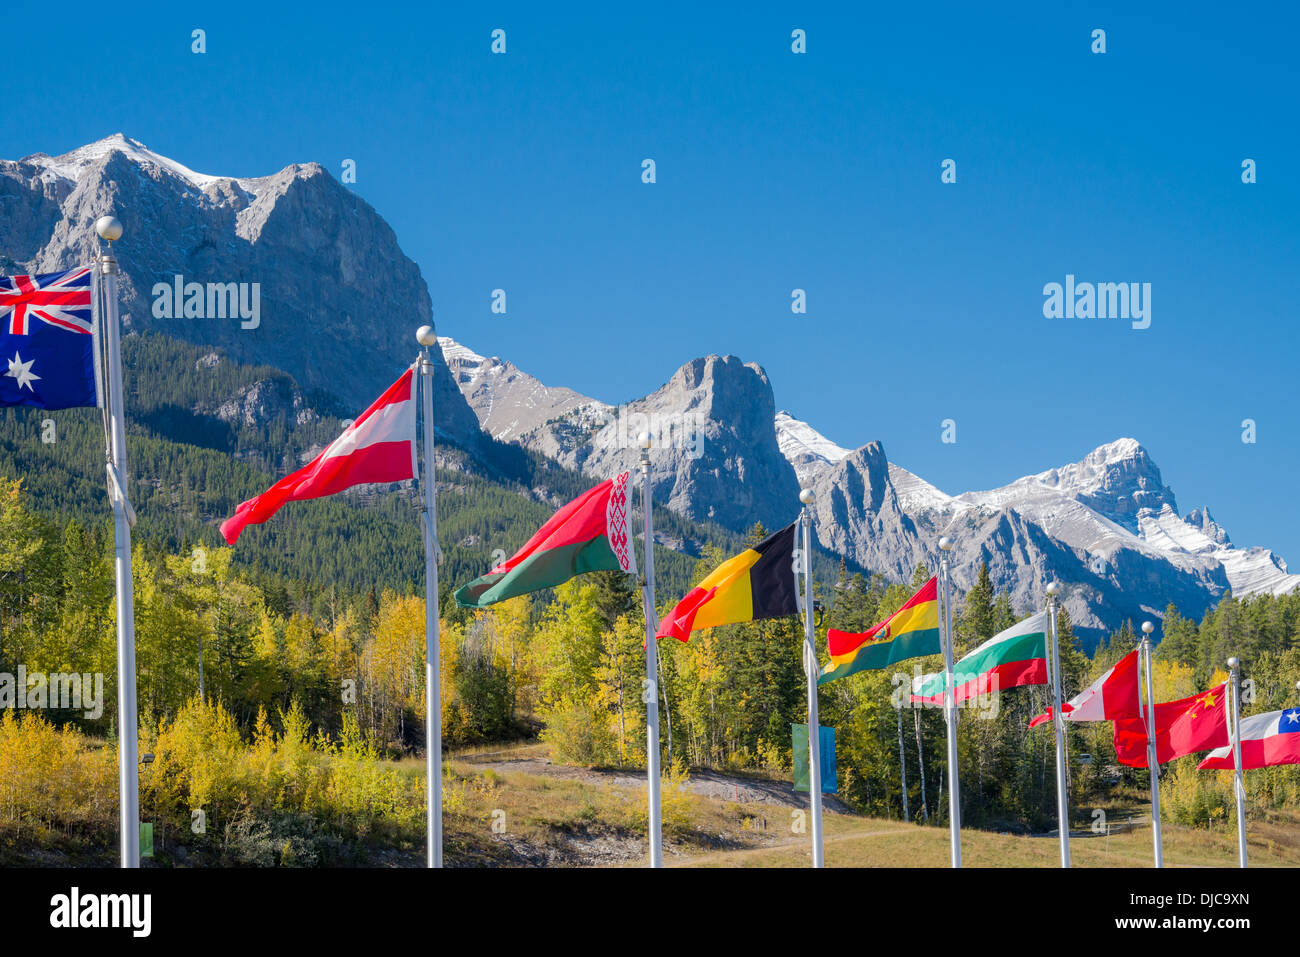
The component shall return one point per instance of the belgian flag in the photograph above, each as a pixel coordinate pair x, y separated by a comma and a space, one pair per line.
758, 583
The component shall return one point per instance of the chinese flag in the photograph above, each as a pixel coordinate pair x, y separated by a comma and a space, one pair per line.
1193, 724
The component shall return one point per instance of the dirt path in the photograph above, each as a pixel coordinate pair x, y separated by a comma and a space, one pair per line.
704, 782
733, 842
802, 842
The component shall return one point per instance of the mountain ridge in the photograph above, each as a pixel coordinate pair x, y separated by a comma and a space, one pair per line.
1098, 524
311, 247
1106, 525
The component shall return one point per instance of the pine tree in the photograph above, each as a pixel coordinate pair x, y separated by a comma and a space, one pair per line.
616, 595
977, 622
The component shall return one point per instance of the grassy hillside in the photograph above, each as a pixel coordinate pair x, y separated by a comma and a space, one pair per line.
290, 802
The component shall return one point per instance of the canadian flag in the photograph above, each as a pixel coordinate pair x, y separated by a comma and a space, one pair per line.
378, 447
1113, 695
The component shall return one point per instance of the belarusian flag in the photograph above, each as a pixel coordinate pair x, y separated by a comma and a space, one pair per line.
1182, 727
1017, 656
1111, 697
1267, 740
378, 447
589, 534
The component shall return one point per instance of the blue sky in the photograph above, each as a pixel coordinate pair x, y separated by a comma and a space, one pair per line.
778, 171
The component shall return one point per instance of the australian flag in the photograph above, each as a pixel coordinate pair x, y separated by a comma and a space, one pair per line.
48, 341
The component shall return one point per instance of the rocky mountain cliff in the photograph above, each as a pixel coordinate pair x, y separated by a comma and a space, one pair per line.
512, 406
810, 452
1107, 526
715, 454
337, 300
337, 304
888, 519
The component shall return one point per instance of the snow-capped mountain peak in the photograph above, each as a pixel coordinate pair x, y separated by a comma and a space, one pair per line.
298, 232
1115, 480
1106, 525
466, 364
1091, 472
916, 494
511, 404
1249, 570
810, 452
1112, 509
72, 166
1200, 518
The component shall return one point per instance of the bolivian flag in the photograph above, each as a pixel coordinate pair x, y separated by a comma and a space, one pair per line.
758, 583
910, 632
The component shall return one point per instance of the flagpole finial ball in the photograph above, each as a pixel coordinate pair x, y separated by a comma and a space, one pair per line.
645, 440
1234, 663
807, 496
945, 544
1053, 588
425, 336
1147, 627
109, 228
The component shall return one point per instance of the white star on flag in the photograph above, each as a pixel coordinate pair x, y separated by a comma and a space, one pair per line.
22, 371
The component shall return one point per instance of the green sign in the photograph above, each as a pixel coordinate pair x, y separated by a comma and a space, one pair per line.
146, 839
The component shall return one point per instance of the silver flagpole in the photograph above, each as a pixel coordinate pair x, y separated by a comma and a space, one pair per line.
807, 497
920, 761
432, 660
950, 705
110, 230
902, 765
650, 694
1062, 801
1152, 763
1234, 666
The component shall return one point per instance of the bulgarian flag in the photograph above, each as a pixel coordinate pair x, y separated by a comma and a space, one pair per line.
910, 632
1112, 697
1267, 740
1017, 656
589, 534
378, 447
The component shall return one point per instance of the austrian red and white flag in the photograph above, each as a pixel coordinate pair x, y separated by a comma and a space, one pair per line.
378, 447
1112, 696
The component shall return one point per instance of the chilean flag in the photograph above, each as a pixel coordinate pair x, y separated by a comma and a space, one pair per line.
377, 447
1112, 696
1266, 740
